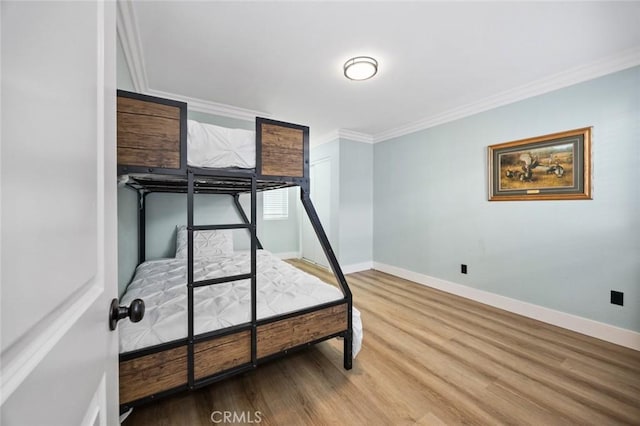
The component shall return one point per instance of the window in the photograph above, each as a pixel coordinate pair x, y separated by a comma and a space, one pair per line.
275, 204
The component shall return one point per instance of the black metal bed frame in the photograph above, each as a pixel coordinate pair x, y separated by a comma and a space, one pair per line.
232, 182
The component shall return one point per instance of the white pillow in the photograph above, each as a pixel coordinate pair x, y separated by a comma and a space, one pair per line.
205, 243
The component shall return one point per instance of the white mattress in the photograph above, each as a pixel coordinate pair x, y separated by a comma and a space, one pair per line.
214, 146
161, 284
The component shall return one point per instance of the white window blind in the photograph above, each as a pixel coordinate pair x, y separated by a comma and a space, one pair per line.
275, 204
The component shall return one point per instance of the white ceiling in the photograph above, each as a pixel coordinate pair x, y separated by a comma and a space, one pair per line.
438, 61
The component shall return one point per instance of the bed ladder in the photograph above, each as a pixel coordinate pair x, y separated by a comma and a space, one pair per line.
250, 225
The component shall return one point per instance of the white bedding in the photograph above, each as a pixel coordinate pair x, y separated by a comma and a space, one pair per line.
162, 285
214, 146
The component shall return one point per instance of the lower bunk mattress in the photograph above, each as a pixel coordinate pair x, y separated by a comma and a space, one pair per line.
281, 288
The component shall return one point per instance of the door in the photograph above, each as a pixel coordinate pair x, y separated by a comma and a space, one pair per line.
58, 223
320, 194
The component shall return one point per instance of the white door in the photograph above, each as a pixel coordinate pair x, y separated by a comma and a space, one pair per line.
58, 225
320, 193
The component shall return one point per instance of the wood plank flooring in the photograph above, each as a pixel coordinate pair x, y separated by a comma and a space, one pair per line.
428, 358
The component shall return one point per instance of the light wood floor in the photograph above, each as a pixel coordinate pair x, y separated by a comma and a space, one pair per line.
428, 358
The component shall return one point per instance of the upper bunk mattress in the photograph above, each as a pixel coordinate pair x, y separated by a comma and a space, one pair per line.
281, 288
218, 147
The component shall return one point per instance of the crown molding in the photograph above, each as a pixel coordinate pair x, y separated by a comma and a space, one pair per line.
208, 107
131, 45
127, 30
323, 139
355, 136
341, 134
623, 60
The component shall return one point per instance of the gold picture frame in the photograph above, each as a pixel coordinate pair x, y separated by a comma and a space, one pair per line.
550, 167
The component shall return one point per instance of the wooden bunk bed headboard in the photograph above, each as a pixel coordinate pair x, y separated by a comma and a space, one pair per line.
282, 149
152, 139
152, 134
152, 150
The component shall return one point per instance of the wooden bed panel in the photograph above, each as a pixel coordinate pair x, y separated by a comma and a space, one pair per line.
148, 158
165, 131
162, 371
138, 106
222, 353
148, 142
153, 373
148, 134
282, 151
288, 333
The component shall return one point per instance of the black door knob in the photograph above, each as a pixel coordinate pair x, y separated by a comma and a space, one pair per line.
135, 312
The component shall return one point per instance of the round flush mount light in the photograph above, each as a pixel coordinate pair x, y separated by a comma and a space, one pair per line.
360, 68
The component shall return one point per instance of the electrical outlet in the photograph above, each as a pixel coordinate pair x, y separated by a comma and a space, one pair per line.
463, 268
617, 297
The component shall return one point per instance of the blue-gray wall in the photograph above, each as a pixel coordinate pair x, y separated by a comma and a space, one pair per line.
217, 120
127, 198
123, 75
282, 236
165, 211
431, 211
356, 202
331, 151
351, 193
127, 236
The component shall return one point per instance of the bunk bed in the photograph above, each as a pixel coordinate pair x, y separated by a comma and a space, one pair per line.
211, 311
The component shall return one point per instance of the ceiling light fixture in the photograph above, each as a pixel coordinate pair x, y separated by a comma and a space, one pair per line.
360, 68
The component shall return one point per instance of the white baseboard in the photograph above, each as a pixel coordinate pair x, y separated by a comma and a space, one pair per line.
346, 269
288, 255
599, 330
357, 267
